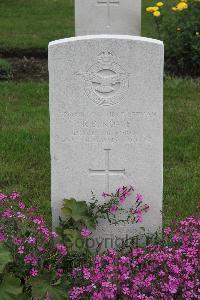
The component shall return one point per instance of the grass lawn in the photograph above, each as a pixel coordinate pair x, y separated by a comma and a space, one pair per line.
31, 24
24, 147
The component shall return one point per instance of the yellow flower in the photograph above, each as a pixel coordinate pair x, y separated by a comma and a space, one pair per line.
181, 6
159, 4
156, 13
197, 33
152, 9
174, 8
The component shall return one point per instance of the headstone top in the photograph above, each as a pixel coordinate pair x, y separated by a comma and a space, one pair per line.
106, 36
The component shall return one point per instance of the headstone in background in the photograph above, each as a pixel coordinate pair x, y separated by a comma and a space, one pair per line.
107, 17
106, 114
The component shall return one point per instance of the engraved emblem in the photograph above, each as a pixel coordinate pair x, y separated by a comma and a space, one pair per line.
106, 82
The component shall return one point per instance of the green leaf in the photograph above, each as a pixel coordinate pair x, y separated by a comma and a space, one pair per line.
75, 239
41, 285
10, 288
78, 211
5, 257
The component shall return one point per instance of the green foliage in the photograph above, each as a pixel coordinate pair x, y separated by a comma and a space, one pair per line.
10, 288
5, 257
78, 211
180, 32
76, 215
73, 239
41, 286
5, 70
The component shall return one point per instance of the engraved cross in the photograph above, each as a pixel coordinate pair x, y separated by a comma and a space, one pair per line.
107, 171
108, 3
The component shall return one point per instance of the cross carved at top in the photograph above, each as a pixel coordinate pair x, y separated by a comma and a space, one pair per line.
108, 3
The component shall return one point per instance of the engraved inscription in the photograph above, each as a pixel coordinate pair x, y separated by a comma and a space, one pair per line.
106, 82
110, 127
108, 3
107, 172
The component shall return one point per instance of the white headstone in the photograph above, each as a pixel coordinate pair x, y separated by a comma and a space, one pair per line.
106, 115
107, 17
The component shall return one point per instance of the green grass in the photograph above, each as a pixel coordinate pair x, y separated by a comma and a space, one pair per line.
32, 24
24, 148
181, 146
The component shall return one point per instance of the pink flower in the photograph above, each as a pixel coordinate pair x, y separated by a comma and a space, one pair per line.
14, 195
42, 249
31, 259
125, 259
86, 273
2, 236
2, 198
17, 241
21, 205
59, 273
8, 213
139, 219
173, 284
47, 297
139, 198
54, 234
156, 271
20, 215
48, 267
21, 250
122, 199
38, 220
167, 230
113, 209
32, 209
31, 240
105, 195
45, 232
139, 216
119, 190
34, 272
85, 232
61, 249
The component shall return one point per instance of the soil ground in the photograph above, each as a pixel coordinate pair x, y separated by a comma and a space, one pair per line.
28, 68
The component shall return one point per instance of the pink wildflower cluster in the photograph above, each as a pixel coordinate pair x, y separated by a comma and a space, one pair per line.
28, 237
116, 201
153, 272
85, 232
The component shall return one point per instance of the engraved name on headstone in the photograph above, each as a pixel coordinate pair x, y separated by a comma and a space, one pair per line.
106, 119
107, 17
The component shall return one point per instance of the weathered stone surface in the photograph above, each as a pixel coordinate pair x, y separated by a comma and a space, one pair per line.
106, 115
107, 17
